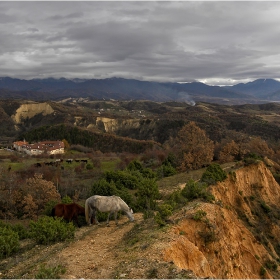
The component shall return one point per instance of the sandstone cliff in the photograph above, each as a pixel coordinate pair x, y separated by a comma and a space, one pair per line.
235, 237
111, 125
29, 110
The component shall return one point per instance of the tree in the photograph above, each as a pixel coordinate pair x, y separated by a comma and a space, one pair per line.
229, 152
147, 194
66, 144
33, 195
214, 173
193, 148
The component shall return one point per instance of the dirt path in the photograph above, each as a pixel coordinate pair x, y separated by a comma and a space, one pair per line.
94, 256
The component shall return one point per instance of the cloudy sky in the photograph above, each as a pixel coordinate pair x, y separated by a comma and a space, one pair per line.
214, 42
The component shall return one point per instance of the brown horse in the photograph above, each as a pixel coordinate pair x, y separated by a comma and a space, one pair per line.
69, 212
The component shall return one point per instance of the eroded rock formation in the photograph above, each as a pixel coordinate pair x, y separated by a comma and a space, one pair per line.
235, 237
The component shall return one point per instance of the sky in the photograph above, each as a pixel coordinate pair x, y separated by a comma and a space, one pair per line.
214, 42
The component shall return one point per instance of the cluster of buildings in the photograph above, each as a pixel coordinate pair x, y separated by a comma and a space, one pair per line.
47, 147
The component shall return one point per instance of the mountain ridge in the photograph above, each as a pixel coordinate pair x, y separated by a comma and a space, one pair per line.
258, 91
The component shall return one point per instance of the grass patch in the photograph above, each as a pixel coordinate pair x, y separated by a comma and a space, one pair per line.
110, 165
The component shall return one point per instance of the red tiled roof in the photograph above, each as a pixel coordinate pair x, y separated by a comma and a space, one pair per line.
21, 143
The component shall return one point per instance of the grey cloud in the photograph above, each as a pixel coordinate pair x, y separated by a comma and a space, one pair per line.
168, 41
32, 29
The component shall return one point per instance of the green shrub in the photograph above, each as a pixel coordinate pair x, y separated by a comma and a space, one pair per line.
158, 219
214, 173
194, 190
251, 158
50, 272
262, 271
147, 194
199, 215
152, 273
265, 207
165, 210
124, 178
89, 166
232, 176
9, 241
49, 206
66, 199
48, 230
136, 165
208, 236
22, 231
166, 170
271, 265
103, 187
148, 214
176, 199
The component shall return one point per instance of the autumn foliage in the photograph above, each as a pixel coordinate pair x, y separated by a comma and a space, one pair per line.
26, 199
193, 147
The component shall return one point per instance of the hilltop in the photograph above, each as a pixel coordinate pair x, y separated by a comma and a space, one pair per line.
236, 237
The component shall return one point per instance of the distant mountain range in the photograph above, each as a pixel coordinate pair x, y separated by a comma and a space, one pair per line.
258, 91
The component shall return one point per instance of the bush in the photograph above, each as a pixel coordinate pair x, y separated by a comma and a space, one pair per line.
49, 206
49, 230
265, 207
164, 210
199, 215
127, 179
66, 199
194, 190
159, 220
9, 241
50, 272
214, 173
166, 170
262, 271
89, 166
271, 265
102, 187
147, 194
176, 199
22, 232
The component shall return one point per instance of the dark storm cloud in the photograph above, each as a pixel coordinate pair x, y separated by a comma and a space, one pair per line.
213, 42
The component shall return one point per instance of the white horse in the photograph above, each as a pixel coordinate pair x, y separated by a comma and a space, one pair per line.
111, 204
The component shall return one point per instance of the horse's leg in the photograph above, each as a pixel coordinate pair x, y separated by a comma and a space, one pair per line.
115, 214
108, 218
75, 219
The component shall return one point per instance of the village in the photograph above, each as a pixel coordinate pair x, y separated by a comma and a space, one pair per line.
44, 147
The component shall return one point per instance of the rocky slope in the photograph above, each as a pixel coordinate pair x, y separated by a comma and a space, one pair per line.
235, 237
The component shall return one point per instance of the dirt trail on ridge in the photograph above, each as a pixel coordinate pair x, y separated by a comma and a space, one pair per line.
94, 255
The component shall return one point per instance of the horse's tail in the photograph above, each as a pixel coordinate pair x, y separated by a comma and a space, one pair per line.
87, 212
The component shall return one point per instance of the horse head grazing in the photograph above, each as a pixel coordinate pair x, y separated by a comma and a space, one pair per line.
110, 204
129, 213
